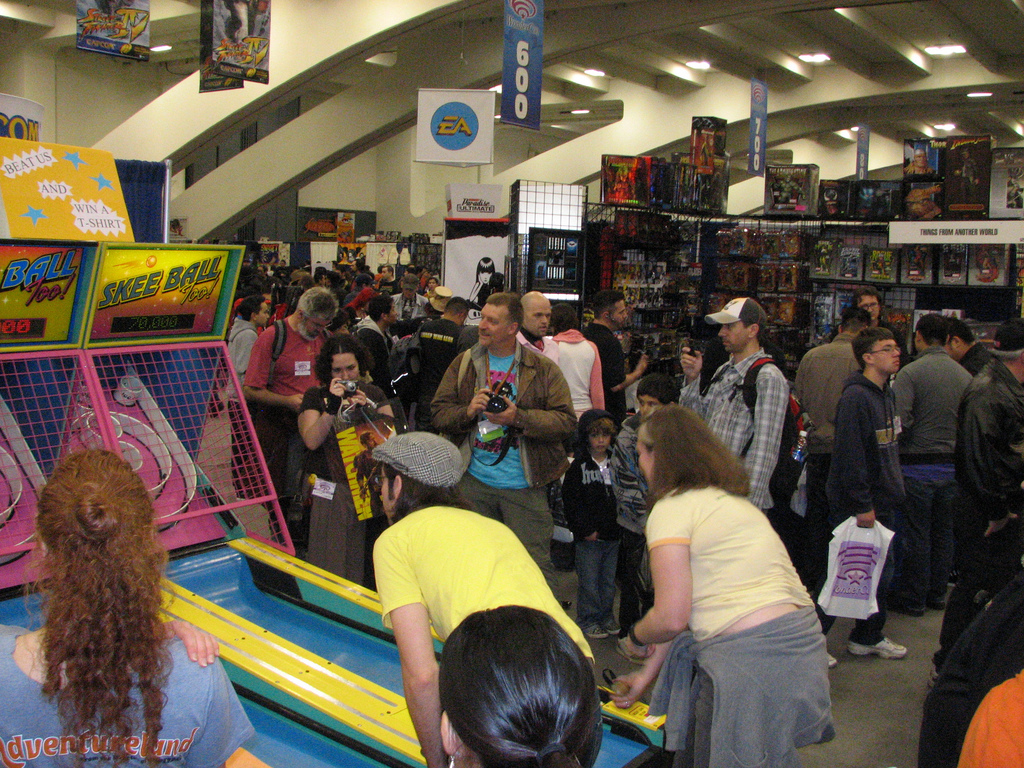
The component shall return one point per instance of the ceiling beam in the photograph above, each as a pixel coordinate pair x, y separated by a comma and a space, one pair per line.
789, 27
976, 46
657, 65
907, 52
759, 49
27, 14
576, 77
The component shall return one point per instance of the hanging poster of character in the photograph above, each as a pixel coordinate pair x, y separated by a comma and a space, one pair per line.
114, 27
239, 38
362, 471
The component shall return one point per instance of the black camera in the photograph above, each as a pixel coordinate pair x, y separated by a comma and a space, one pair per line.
496, 404
350, 386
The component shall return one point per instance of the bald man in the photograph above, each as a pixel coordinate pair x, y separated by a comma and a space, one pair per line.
533, 332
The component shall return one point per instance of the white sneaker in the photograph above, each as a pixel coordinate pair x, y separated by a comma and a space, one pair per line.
620, 647
594, 632
883, 649
833, 662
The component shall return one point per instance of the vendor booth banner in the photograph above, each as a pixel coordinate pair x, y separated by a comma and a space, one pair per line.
474, 251
455, 127
58, 192
114, 27
20, 118
237, 33
522, 62
757, 147
473, 201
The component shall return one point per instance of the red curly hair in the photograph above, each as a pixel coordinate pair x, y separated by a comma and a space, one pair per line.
104, 645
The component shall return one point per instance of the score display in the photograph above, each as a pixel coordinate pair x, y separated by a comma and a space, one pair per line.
13, 329
151, 323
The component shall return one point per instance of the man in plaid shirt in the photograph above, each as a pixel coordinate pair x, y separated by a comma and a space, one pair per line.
753, 437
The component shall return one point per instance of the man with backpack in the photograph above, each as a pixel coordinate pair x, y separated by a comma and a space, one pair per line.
439, 344
751, 431
280, 371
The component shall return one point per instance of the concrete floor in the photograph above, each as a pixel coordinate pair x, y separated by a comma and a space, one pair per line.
876, 703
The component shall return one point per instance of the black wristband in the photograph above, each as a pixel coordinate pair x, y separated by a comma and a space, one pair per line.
632, 636
332, 404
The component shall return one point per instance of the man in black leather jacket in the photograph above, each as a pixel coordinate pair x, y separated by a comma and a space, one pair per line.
989, 469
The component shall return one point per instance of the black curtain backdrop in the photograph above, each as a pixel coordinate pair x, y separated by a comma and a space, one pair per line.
143, 185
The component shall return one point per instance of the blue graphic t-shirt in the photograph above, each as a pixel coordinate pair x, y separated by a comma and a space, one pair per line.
488, 439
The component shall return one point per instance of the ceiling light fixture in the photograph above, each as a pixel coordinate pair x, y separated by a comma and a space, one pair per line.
580, 111
944, 50
593, 72
159, 48
944, 127
855, 128
979, 94
699, 64
814, 58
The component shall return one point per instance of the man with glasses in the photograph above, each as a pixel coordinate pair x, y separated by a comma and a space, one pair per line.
277, 378
865, 479
868, 298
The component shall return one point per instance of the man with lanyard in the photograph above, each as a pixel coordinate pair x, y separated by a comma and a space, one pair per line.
754, 437
509, 410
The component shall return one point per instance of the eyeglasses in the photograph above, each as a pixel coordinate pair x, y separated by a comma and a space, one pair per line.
887, 349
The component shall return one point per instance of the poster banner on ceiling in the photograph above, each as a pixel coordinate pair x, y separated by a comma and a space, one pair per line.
20, 118
455, 127
757, 147
238, 34
346, 227
522, 63
209, 79
59, 192
114, 28
863, 144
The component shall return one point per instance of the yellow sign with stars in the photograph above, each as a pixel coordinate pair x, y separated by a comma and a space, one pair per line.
58, 192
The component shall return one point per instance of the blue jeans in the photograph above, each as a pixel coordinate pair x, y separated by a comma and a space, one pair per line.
595, 567
925, 525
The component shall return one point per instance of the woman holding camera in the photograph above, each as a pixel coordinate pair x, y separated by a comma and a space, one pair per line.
345, 398
732, 638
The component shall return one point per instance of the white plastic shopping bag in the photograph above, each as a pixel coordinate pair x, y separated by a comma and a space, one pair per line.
856, 557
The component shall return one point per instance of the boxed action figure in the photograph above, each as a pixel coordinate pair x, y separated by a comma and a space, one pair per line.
881, 265
916, 264
834, 198
1006, 198
707, 141
922, 200
851, 261
877, 200
968, 173
626, 180
988, 264
953, 264
825, 257
791, 190
923, 159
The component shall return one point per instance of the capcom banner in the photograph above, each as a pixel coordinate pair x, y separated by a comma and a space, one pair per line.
237, 35
20, 118
455, 127
42, 287
167, 291
114, 27
58, 192
522, 64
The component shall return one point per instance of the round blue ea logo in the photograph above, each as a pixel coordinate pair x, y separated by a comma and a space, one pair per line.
454, 125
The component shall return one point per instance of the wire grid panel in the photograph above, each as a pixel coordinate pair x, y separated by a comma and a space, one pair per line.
174, 413
46, 408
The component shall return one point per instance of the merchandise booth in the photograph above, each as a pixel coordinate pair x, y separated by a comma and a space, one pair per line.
119, 345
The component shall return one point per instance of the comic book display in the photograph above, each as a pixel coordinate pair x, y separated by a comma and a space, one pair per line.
791, 190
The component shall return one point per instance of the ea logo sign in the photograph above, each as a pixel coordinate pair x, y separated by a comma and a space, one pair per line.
454, 125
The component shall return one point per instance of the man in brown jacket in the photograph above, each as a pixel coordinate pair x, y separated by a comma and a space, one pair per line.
509, 410
819, 383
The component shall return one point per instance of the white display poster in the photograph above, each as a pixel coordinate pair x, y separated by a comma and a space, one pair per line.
1006, 190
455, 127
322, 255
470, 261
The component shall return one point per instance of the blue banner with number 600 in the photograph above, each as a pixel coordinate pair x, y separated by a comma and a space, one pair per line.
523, 59
757, 150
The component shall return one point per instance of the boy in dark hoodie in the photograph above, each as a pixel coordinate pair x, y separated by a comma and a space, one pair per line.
590, 510
865, 479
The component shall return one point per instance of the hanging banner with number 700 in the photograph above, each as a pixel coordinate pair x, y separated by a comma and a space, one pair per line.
757, 150
523, 58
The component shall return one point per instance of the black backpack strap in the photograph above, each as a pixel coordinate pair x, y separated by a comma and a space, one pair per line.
750, 382
280, 338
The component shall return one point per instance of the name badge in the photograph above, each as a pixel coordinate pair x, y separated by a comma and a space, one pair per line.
303, 368
489, 431
324, 488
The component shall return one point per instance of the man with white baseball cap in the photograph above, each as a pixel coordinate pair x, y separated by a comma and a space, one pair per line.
751, 434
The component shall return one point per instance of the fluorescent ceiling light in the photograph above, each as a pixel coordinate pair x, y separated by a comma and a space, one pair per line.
979, 95
814, 58
855, 128
593, 72
944, 50
699, 64
159, 48
384, 59
945, 127
580, 111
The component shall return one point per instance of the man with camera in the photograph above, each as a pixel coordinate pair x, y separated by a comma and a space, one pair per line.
509, 410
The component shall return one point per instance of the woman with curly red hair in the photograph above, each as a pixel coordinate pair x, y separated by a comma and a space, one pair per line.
100, 680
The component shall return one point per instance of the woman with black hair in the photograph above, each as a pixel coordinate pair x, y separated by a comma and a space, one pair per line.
337, 539
516, 690
438, 562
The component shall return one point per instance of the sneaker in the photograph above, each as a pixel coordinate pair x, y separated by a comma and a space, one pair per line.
612, 627
883, 649
833, 662
620, 647
594, 632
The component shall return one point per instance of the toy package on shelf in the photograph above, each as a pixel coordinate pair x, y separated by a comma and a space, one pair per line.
922, 200
790, 278
626, 180
881, 265
851, 263
917, 264
952, 264
788, 310
741, 243
1006, 196
825, 257
877, 200
791, 190
968, 172
707, 141
988, 264
924, 159
663, 183
766, 278
823, 317
834, 198
738, 275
